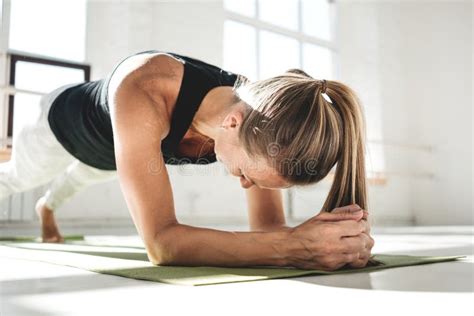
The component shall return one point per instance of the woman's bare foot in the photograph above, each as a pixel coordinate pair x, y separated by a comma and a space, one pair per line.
49, 229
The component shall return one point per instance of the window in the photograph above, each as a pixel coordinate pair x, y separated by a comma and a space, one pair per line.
46, 49
27, 76
263, 38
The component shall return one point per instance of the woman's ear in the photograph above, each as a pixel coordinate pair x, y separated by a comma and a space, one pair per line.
233, 119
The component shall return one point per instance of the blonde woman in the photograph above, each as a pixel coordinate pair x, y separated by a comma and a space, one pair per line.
159, 108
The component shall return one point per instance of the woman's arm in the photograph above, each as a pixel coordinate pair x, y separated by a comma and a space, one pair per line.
138, 129
195, 246
267, 245
138, 125
265, 209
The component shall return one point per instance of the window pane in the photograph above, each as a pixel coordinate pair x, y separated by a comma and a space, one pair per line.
316, 18
245, 7
317, 61
31, 76
278, 53
240, 49
283, 13
53, 28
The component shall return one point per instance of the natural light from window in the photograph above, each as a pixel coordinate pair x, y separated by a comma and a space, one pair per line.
49, 28
263, 38
54, 28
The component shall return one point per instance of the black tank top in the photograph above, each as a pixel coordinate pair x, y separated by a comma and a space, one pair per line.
80, 119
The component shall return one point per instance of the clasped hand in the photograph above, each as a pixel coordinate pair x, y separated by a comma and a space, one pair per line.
331, 240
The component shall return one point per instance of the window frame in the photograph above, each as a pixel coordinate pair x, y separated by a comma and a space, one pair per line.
15, 56
299, 35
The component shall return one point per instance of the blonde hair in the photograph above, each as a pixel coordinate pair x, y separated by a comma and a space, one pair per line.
303, 135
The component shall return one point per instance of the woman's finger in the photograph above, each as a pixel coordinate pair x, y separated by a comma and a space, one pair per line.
354, 244
360, 263
348, 214
349, 208
366, 215
366, 226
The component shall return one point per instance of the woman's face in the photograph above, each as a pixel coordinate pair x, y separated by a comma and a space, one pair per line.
231, 153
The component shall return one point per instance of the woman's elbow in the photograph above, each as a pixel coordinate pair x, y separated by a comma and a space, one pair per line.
160, 259
156, 259
161, 247
159, 254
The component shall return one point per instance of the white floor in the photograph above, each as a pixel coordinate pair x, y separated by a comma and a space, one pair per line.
35, 288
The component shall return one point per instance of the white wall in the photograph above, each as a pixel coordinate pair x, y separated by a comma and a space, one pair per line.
412, 60
438, 83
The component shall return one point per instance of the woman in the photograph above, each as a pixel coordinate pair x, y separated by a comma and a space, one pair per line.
160, 108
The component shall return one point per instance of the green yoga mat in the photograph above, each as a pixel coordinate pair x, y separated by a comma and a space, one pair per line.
132, 262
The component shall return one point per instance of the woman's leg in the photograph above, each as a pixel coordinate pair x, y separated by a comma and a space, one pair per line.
77, 176
37, 156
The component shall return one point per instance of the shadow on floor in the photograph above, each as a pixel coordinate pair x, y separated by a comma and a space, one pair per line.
139, 254
453, 276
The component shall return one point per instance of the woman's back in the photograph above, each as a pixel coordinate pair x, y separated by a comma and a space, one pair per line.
80, 116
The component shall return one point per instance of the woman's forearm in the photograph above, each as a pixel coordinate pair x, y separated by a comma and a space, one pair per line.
273, 228
195, 246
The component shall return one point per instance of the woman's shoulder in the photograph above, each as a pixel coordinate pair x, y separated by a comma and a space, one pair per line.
146, 68
157, 74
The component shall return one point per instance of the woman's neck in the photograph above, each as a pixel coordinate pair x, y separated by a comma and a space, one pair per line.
213, 109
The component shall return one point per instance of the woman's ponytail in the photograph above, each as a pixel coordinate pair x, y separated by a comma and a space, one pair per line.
349, 184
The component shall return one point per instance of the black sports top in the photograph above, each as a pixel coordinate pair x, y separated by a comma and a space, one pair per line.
79, 117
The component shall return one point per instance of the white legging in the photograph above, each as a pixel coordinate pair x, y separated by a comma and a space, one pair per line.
38, 158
